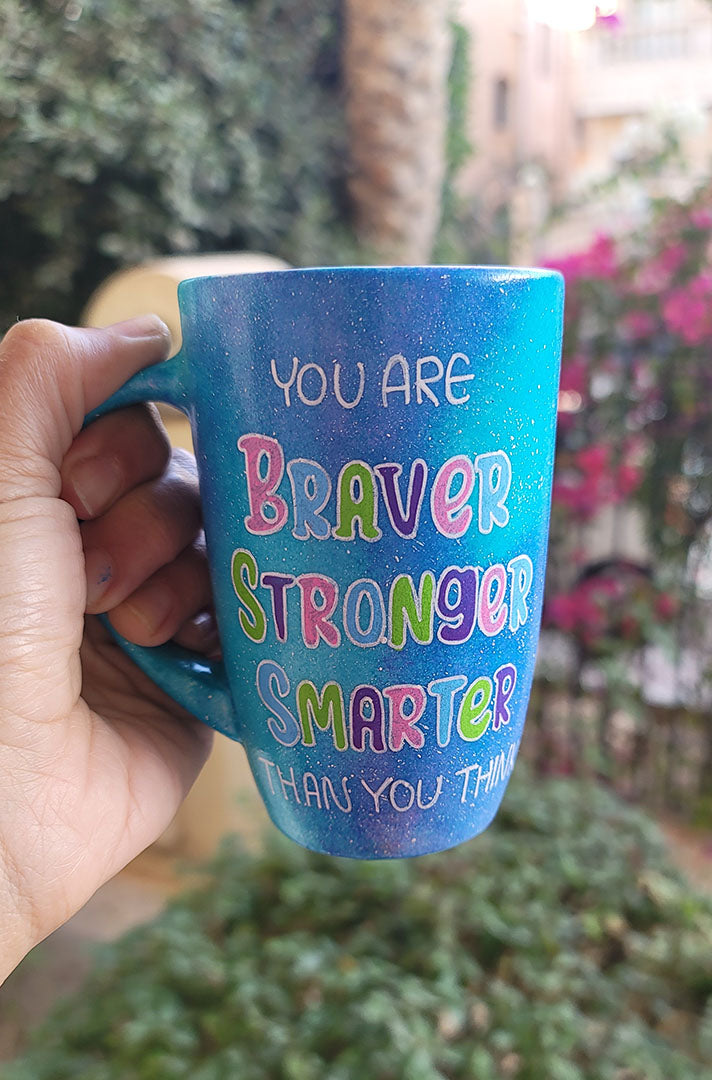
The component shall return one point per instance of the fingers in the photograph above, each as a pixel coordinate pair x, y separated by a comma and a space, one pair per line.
167, 603
141, 533
51, 376
200, 634
111, 457
144, 554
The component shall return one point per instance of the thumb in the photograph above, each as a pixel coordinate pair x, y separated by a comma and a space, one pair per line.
51, 376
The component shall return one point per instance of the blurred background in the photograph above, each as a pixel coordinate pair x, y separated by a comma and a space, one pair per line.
141, 143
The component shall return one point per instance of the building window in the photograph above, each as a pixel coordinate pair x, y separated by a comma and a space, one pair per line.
501, 104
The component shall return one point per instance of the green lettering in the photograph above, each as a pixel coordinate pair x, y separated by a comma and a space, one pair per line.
252, 617
325, 711
352, 509
404, 609
474, 716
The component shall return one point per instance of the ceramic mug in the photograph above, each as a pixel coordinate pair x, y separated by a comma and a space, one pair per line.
375, 450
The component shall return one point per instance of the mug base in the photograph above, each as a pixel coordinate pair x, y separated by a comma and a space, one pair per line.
380, 845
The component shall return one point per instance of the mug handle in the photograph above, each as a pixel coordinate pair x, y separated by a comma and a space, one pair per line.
198, 684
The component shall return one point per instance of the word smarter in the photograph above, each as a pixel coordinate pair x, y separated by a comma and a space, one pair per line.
386, 718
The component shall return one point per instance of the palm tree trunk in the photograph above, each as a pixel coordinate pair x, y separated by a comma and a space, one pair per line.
396, 62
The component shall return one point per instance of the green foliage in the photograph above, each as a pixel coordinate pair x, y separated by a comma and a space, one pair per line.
560, 945
449, 245
130, 128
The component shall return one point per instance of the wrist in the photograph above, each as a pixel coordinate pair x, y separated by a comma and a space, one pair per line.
17, 927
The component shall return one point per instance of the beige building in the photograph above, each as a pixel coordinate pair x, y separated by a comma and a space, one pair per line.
555, 112
520, 122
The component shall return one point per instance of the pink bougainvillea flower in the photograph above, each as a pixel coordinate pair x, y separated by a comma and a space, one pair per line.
701, 218
639, 324
687, 310
561, 612
593, 460
599, 261
667, 605
571, 266
672, 257
595, 479
574, 375
628, 479
610, 20
658, 273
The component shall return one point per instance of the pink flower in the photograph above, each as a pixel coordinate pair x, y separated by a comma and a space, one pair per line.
658, 274
687, 310
671, 258
571, 266
574, 376
701, 219
639, 324
601, 258
561, 611
593, 460
599, 261
629, 479
611, 21
594, 480
667, 605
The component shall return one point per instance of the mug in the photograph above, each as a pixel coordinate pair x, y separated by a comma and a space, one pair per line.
375, 452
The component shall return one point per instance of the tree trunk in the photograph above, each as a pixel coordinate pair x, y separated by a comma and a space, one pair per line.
396, 62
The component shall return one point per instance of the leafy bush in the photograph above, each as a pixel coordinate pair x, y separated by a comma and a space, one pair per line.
560, 945
130, 128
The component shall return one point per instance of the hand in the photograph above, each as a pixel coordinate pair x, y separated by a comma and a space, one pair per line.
94, 758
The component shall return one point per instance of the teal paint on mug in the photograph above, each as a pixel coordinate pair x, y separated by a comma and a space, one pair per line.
375, 449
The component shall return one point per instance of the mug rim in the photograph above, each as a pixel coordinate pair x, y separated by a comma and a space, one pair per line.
497, 273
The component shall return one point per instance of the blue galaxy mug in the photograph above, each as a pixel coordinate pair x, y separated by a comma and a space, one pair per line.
375, 451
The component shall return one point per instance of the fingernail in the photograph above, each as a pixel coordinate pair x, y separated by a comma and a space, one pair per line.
155, 605
97, 482
100, 574
207, 638
142, 326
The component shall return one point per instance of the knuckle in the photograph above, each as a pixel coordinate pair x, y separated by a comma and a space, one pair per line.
130, 438
167, 528
32, 336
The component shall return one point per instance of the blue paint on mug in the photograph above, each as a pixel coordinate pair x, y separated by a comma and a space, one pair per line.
375, 449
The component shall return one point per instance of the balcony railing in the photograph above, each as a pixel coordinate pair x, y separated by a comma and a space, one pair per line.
630, 46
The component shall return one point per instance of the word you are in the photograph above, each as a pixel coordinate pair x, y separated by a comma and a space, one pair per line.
427, 379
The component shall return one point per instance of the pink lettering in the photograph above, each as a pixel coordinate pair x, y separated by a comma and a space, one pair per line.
268, 511
316, 616
451, 515
402, 727
492, 613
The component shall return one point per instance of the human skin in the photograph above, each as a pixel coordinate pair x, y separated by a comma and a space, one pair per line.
94, 758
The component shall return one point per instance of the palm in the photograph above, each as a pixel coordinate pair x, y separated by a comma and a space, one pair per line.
104, 783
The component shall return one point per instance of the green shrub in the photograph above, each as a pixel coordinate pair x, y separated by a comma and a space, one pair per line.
130, 128
560, 945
